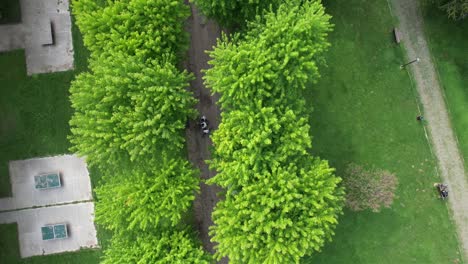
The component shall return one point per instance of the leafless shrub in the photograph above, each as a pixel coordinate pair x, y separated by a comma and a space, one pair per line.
369, 189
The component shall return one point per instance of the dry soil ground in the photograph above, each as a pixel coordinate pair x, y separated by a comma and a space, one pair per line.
203, 35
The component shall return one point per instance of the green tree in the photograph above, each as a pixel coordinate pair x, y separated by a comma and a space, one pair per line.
456, 9
277, 58
287, 213
280, 202
235, 13
254, 140
128, 110
162, 247
148, 28
147, 198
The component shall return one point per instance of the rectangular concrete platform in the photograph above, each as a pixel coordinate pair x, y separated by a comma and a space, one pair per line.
79, 219
74, 178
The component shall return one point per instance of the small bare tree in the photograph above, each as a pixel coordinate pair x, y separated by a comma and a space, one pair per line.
369, 189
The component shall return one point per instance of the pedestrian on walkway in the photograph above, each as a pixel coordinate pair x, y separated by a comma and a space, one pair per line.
203, 122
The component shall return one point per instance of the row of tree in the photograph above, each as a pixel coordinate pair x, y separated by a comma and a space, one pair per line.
130, 111
280, 202
235, 14
455, 9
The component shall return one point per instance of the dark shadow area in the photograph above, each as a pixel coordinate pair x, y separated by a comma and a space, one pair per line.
10, 12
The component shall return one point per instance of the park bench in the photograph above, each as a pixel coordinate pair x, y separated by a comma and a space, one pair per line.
47, 34
52, 232
397, 35
47, 181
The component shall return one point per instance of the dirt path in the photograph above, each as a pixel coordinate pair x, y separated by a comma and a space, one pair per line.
440, 130
203, 35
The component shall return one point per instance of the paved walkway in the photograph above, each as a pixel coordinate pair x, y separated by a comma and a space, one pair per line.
440, 130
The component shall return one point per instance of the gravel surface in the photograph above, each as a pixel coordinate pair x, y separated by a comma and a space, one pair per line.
442, 137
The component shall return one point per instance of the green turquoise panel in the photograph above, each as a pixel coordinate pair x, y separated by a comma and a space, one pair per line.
47, 232
60, 231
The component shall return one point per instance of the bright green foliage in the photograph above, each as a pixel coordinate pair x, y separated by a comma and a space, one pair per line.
146, 199
126, 109
256, 140
235, 13
281, 203
130, 113
285, 215
275, 59
166, 247
147, 28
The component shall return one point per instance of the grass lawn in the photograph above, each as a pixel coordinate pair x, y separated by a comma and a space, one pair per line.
448, 41
34, 115
365, 112
34, 110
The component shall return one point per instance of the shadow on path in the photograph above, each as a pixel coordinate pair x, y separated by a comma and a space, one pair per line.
203, 36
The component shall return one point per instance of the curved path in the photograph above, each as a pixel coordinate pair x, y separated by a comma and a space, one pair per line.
441, 134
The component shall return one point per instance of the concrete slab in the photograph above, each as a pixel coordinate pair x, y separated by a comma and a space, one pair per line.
37, 17
76, 185
12, 37
35, 30
78, 217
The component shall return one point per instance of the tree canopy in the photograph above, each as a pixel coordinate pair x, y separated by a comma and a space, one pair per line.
276, 58
280, 202
164, 247
148, 28
147, 198
128, 110
130, 113
456, 9
284, 215
235, 13
256, 140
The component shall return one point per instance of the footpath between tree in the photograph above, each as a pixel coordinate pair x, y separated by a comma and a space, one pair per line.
440, 130
203, 35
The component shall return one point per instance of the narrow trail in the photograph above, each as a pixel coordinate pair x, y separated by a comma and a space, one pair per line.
203, 35
435, 111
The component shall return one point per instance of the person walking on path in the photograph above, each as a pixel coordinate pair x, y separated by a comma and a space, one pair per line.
441, 134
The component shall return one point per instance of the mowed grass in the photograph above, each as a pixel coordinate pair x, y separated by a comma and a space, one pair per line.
34, 115
365, 112
34, 110
448, 41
